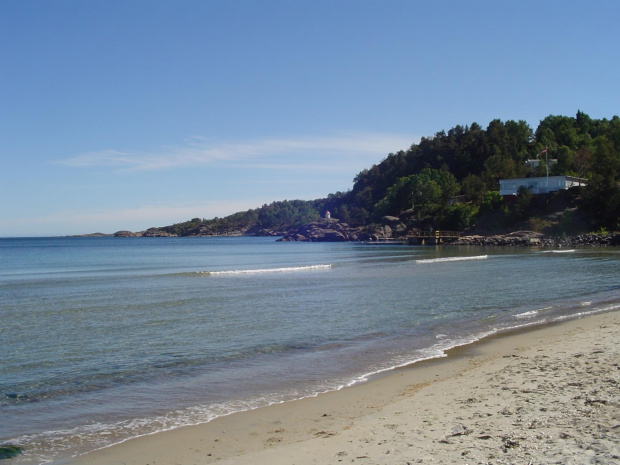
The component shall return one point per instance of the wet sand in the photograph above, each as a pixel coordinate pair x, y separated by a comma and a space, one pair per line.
537, 396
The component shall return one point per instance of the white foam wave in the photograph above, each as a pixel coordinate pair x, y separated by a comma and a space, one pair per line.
529, 314
560, 251
53, 444
266, 270
452, 259
595, 311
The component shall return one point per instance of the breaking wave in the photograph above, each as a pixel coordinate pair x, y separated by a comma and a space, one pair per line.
452, 259
266, 270
560, 251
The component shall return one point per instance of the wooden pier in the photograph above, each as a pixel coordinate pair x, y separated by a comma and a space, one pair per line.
434, 237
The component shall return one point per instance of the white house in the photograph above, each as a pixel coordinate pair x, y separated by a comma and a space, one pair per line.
539, 185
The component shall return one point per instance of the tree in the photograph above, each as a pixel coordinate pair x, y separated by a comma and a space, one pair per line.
602, 193
519, 208
427, 175
473, 188
565, 161
427, 191
458, 217
499, 167
491, 202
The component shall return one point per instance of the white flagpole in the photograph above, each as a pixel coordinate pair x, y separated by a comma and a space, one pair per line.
547, 166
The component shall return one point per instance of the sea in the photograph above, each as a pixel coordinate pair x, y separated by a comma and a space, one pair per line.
104, 339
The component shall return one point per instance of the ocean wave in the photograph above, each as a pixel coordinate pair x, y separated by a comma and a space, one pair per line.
532, 313
266, 270
560, 251
599, 309
529, 314
452, 259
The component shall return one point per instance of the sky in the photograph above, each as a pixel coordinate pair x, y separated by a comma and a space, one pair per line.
124, 115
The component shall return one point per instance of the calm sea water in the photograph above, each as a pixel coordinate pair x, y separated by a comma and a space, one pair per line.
104, 339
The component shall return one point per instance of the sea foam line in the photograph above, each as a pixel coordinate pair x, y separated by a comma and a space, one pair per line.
529, 314
101, 435
452, 259
266, 270
560, 251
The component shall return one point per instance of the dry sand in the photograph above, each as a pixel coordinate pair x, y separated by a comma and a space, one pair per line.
548, 395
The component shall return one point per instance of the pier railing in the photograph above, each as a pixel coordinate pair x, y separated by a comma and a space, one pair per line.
438, 234
434, 237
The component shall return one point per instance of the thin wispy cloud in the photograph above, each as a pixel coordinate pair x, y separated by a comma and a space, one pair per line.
282, 153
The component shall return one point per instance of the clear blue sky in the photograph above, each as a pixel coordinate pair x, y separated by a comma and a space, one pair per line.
131, 114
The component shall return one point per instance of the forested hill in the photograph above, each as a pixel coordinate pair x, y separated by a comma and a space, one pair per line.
450, 180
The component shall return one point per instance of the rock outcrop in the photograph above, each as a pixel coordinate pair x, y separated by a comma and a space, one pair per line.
326, 230
156, 232
535, 239
151, 232
125, 234
392, 229
395, 226
514, 239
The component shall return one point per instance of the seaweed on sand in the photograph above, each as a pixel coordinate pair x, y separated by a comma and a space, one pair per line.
8, 451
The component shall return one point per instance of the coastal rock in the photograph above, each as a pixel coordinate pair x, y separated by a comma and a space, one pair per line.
459, 430
535, 239
156, 232
327, 230
125, 234
396, 227
151, 232
262, 232
97, 234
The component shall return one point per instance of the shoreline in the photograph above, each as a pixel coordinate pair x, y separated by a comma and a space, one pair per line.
516, 238
490, 401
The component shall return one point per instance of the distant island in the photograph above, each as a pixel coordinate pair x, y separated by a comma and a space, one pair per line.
451, 182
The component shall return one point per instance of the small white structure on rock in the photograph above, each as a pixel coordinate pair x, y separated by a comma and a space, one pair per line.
328, 215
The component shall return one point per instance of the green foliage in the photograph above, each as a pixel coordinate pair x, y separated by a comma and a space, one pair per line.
473, 188
602, 231
458, 217
519, 208
565, 162
425, 192
465, 160
285, 215
491, 202
602, 193
478, 158
277, 216
570, 222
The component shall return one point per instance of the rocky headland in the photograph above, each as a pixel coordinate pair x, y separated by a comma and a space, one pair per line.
332, 230
322, 231
392, 229
397, 230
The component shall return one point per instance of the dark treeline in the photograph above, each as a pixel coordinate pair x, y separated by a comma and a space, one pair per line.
277, 217
450, 180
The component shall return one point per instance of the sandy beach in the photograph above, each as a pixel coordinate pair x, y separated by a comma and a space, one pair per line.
544, 395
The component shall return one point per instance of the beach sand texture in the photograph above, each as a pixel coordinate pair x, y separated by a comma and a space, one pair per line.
542, 396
